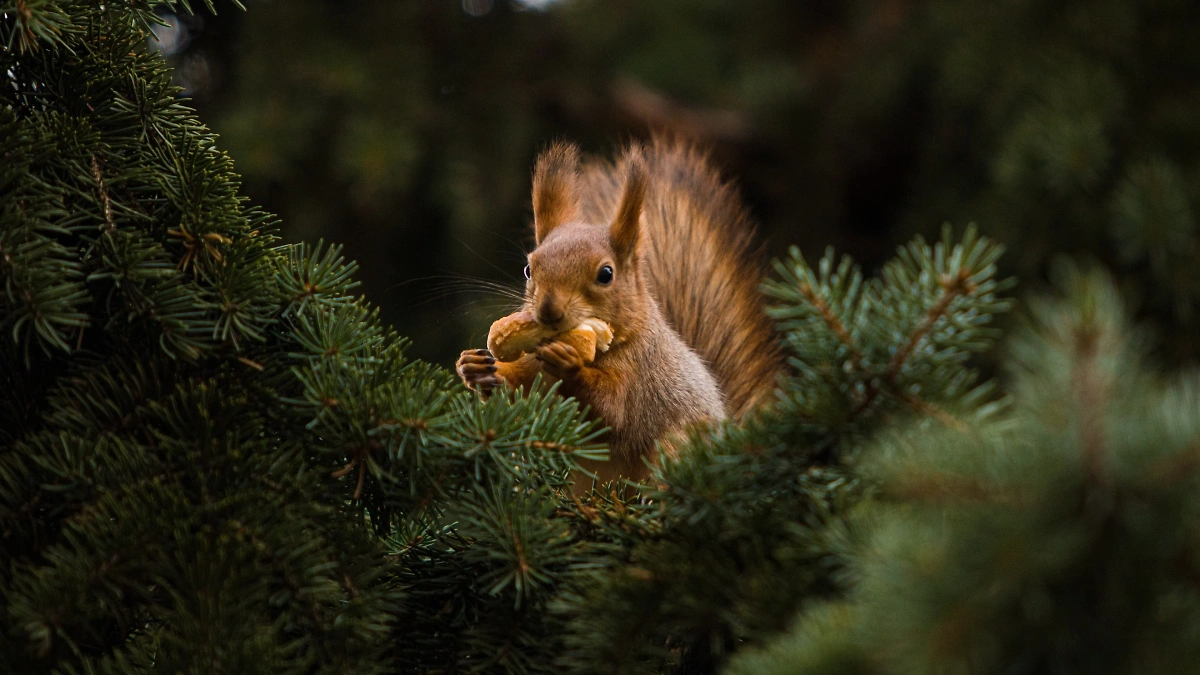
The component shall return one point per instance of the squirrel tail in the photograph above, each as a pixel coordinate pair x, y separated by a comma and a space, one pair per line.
697, 243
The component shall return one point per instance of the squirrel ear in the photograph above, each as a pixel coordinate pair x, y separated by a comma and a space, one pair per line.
627, 226
555, 188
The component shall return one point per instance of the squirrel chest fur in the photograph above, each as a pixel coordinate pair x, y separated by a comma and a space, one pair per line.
659, 248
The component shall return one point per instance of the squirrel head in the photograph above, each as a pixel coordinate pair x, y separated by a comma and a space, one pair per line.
585, 270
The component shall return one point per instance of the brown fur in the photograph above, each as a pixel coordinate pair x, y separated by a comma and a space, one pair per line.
555, 188
690, 343
703, 266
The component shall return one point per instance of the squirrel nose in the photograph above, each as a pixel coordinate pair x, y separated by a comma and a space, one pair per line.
548, 313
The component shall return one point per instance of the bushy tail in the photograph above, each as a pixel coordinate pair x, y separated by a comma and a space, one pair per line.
705, 269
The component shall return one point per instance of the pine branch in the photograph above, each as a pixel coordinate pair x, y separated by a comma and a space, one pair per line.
1063, 502
952, 289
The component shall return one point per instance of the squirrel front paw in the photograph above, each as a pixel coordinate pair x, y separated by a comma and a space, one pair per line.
560, 359
477, 368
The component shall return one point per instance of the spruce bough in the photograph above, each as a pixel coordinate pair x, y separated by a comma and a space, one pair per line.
205, 435
1057, 537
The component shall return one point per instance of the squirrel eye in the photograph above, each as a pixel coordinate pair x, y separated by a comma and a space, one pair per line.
605, 275
527, 271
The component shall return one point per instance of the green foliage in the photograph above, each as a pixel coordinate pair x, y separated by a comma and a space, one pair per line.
1063, 128
205, 437
1058, 537
853, 340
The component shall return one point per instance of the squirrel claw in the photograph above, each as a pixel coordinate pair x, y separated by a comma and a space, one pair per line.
477, 368
560, 359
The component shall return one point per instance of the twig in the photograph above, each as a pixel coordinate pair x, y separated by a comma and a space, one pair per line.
109, 224
1089, 391
835, 324
952, 289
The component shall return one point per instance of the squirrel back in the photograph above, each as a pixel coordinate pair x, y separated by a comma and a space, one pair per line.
699, 255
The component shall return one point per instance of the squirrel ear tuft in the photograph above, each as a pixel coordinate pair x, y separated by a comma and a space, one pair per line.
626, 228
555, 188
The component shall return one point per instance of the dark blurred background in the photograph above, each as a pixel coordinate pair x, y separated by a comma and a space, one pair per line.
406, 130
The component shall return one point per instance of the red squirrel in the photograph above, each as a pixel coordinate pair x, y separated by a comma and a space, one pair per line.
660, 248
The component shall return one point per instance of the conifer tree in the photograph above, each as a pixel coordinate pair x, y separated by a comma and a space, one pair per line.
205, 435
1058, 537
